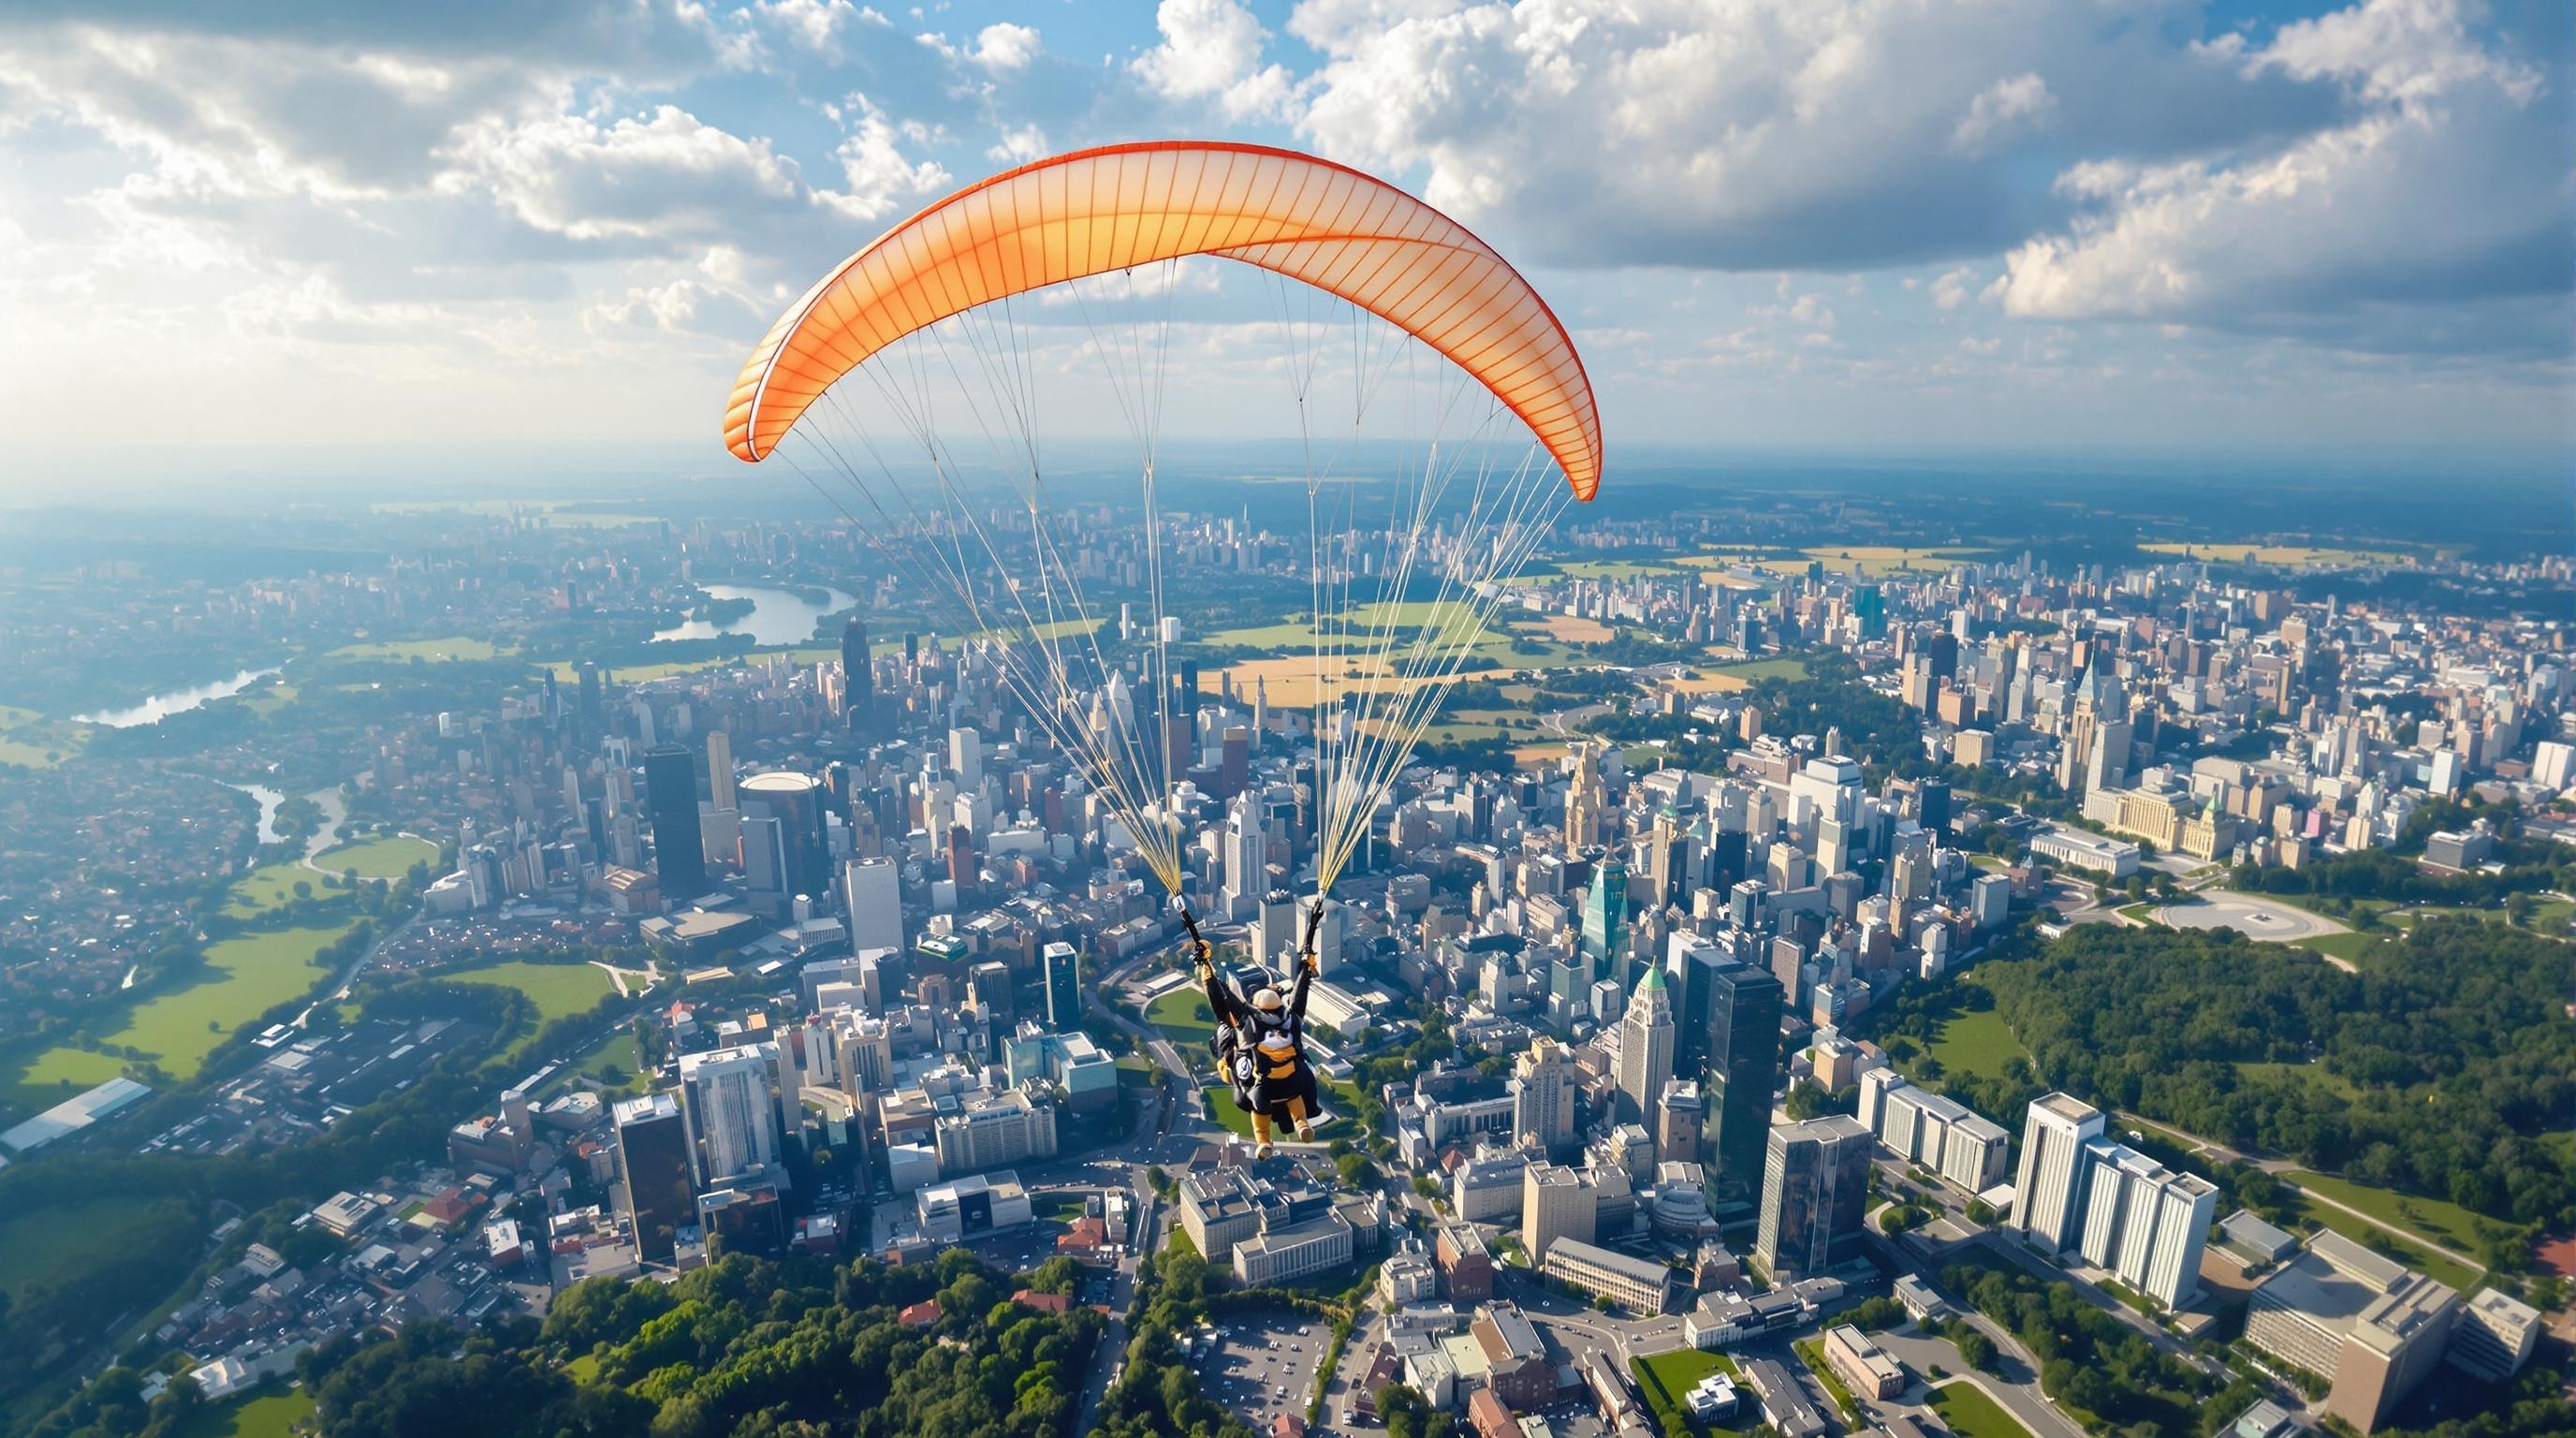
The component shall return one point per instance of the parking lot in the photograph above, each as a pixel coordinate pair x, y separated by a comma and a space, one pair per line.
1264, 1363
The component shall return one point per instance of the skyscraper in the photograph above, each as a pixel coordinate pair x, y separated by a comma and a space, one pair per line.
1247, 862
1542, 1098
1063, 986
1645, 1048
656, 1188
2145, 1222
1743, 1046
1815, 1191
796, 802
872, 899
733, 1120
671, 789
2048, 1190
858, 679
1605, 918
719, 769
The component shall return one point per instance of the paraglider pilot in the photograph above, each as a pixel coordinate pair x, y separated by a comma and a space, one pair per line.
1261, 1046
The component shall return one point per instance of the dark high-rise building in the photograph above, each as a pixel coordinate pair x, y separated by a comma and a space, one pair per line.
653, 1161
591, 698
795, 801
1604, 940
1234, 765
858, 696
961, 858
1063, 986
679, 849
1932, 807
1815, 1190
1743, 1065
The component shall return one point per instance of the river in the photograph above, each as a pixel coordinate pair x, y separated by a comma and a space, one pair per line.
176, 701
777, 617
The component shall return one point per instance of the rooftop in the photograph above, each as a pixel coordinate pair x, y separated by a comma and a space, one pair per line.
2345, 1288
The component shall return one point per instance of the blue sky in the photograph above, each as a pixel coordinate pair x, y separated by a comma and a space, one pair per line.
1828, 226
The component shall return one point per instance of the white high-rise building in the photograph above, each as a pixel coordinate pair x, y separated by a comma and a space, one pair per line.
733, 1118
872, 893
966, 757
1247, 862
1542, 1087
2049, 1188
2145, 1222
1645, 1047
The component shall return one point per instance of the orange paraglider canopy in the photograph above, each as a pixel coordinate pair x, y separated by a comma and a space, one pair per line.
1095, 211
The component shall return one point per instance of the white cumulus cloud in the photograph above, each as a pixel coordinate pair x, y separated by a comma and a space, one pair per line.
1212, 49
2434, 217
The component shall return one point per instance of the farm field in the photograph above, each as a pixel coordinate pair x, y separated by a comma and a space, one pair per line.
2293, 556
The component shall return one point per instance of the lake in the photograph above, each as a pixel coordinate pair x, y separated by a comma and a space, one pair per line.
334, 813
176, 701
777, 617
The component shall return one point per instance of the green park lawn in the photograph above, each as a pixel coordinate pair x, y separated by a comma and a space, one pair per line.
2347, 947
266, 1414
1967, 1412
1812, 1353
426, 650
2460, 1276
1754, 671
558, 990
387, 857
1976, 1041
1667, 1376
1341, 1104
2314, 1074
55, 1075
1184, 1018
272, 886
246, 977
1681, 1370
620, 1052
35, 753
2440, 1220
2552, 916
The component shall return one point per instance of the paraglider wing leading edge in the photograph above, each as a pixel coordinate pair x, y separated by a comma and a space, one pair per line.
1094, 212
